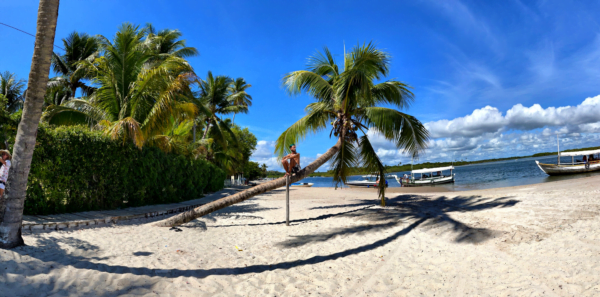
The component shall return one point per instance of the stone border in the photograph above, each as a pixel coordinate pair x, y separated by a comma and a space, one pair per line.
35, 226
108, 219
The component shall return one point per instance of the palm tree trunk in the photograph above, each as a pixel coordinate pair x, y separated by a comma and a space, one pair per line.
207, 127
73, 91
233, 120
249, 193
11, 214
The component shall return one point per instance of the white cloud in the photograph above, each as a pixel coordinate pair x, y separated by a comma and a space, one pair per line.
487, 133
485, 120
583, 117
264, 155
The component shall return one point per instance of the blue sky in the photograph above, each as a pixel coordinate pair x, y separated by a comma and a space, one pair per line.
478, 68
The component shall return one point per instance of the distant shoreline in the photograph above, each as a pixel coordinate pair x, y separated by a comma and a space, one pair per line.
407, 167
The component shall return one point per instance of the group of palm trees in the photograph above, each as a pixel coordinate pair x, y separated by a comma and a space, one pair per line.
141, 91
351, 100
139, 87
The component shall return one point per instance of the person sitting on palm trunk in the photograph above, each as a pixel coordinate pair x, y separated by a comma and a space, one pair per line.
293, 166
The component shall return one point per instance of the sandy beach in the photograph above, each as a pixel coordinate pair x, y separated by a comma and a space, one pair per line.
536, 240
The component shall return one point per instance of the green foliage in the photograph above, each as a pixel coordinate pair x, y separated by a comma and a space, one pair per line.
277, 174
75, 169
12, 89
8, 123
350, 99
246, 145
253, 171
139, 88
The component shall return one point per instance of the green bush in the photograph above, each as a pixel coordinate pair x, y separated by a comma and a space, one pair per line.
75, 169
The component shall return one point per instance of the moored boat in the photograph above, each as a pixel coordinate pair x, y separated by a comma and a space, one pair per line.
425, 179
589, 163
367, 181
302, 184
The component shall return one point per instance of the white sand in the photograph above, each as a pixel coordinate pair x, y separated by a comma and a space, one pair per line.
536, 240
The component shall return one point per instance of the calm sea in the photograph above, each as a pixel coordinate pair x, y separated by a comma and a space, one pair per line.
484, 176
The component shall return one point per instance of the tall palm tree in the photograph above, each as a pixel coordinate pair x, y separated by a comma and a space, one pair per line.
12, 89
135, 98
79, 47
239, 96
349, 99
11, 205
214, 101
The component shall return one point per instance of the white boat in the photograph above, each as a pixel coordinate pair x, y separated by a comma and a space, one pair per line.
302, 184
425, 179
368, 181
589, 163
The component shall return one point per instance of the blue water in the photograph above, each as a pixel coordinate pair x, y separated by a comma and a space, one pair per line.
484, 176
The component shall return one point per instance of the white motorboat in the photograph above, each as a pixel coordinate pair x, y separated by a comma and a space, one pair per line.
302, 184
589, 163
427, 177
368, 181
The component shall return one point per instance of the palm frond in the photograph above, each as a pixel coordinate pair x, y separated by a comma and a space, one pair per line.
218, 135
124, 129
225, 127
298, 81
167, 143
371, 163
343, 162
314, 122
391, 92
65, 116
406, 131
323, 64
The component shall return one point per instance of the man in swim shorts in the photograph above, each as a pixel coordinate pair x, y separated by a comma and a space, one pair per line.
293, 166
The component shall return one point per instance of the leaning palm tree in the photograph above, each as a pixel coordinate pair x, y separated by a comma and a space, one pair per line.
11, 205
79, 47
349, 98
12, 89
239, 96
135, 99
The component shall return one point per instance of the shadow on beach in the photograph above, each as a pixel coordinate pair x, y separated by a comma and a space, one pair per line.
410, 211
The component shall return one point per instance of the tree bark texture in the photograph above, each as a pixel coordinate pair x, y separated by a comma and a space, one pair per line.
249, 193
11, 212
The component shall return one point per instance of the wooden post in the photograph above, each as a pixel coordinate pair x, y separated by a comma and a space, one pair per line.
287, 201
558, 148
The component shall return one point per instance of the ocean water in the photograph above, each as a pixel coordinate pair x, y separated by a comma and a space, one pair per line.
484, 176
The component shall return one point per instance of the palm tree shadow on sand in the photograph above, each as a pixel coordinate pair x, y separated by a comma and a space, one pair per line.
409, 210
430, 213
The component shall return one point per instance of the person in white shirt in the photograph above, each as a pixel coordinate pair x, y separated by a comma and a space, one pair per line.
5, 160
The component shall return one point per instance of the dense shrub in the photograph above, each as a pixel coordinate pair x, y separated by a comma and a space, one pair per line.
75, 169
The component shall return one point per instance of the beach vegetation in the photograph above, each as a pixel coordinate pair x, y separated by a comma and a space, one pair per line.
12, 89
350, 100
77, 169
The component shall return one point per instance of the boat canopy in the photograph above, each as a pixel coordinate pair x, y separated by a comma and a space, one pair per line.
427, 170
580, 153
